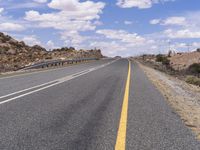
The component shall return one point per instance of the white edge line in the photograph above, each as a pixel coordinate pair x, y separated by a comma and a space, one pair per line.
4, 96
92, 69
39, 71
33, 72
27, 89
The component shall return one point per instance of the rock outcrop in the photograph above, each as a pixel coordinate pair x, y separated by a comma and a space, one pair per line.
16, 54
65, 52
182, 61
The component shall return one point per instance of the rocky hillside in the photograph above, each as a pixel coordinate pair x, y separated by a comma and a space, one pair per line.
15, 54
178, 61
182, 61
64, 53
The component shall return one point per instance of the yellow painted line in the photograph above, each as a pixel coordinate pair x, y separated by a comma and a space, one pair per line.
121, 135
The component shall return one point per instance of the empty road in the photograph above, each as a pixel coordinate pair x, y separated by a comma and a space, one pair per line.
102, 105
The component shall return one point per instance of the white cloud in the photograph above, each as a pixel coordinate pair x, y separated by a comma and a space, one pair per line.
193, 19
73, 15
128, 22
98, 23
185, 46
120, 42
141, 4
77, 6
122, 35
182, 34
181, 27
1, 10
196, 44
181, 21
71, 18
40, 1
189, 20
7, 26
31, 40
134, 3
175, 21
72, 38
155, 21
109, 48
115, 47
179, 45
50, 44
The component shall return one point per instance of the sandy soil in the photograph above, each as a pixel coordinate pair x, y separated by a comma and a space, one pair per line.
184, 60
183, 97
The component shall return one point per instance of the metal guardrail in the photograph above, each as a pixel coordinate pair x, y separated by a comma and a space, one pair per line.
52, 63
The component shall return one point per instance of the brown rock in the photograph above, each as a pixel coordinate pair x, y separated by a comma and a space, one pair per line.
12, 52
15, 54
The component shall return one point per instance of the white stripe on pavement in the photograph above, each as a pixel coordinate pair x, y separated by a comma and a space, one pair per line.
59, 81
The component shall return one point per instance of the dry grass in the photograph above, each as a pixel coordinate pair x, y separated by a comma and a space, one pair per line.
183, 97
193, 80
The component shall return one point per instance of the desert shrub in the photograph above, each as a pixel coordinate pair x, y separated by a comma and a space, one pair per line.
166, 61
71, 48
194, 69
159, 58
163, 59
198, 49
48, 57
193, 80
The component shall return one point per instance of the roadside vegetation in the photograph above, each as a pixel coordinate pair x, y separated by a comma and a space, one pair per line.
193, 80
194, 69
163, 59
162, 62
183, 98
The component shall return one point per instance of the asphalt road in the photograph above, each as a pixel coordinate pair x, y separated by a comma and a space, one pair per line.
79, 108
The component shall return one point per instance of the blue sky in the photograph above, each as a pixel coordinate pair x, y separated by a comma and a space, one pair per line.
118, 27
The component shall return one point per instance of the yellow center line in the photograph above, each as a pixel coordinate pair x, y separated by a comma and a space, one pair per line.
121, 135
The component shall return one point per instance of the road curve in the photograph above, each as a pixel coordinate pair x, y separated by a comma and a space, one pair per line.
83, 112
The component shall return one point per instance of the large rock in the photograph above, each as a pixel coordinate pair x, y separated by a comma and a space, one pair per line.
12, 52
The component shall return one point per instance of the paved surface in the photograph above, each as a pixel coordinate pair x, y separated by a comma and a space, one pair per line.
84, 112
20, 82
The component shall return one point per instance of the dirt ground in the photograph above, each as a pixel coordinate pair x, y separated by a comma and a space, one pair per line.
184, 60
183, 97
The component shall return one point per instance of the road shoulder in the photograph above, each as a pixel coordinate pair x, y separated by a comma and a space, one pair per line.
182, 97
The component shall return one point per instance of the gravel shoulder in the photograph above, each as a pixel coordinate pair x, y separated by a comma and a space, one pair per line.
183, 97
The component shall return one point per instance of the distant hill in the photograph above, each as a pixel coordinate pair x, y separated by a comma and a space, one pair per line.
16, 54
182, 61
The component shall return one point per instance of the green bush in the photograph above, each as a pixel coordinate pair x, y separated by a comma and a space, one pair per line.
159, 58
193, 80
163, 59
194, 69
